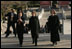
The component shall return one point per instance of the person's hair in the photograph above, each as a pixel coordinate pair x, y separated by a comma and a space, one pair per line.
12, 10
34, 12
18, 11
53, 11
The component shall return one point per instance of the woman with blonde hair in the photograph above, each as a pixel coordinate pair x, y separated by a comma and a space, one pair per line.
34, 27
53, 27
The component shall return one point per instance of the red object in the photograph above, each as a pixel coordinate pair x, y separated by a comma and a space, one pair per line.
63, 2
45, 3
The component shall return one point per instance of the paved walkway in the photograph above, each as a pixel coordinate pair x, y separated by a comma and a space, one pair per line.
43, 41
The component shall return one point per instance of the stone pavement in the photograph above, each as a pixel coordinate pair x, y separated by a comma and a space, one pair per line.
67, 26
43, 41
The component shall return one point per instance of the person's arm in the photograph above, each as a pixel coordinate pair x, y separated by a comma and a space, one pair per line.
48, 24
29, 23
58, 23
39, 25
6, 15
23, 19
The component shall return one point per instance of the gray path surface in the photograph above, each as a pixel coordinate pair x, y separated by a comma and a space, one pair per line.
43, 41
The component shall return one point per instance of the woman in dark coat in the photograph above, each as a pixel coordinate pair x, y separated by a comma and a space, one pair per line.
53, 27
20, 25
34, 27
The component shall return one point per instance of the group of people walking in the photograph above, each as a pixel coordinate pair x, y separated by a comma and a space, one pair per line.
34, 25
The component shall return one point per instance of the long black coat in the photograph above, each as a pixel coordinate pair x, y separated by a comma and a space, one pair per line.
53, 27
34, 26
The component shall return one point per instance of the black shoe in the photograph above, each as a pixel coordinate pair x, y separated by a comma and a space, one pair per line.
55, 43
20, 45
32, 42
15, 35
6, 35
35, 44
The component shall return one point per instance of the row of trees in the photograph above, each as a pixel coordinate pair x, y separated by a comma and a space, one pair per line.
6, 5
34, 4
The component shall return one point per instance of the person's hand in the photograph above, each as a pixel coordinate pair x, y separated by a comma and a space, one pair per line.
24, 24
19, 20
6, 17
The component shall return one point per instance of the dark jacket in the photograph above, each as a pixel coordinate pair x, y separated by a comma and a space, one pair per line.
20, 27
9, 17
34, 26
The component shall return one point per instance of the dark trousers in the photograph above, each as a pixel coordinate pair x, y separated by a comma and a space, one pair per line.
20, 32
8, 29
20, 37
35, 41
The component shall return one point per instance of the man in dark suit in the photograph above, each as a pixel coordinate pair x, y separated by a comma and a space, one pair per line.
11, 22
